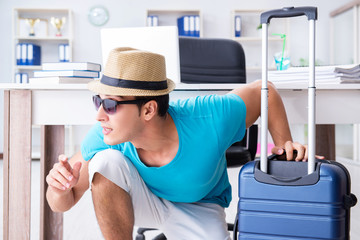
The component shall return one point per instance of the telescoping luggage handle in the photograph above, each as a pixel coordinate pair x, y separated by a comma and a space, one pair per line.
311, 13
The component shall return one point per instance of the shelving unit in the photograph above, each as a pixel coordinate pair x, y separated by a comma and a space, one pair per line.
169, 17
45, 35
250, 39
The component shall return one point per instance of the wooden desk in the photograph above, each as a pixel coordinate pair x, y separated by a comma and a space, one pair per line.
54, 106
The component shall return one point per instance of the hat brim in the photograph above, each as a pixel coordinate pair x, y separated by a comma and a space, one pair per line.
100, 88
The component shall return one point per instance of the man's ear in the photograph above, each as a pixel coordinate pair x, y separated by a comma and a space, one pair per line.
149, 110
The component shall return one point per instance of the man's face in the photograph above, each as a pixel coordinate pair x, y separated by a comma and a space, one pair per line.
122, 126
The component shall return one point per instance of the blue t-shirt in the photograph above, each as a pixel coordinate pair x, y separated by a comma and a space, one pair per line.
206, 126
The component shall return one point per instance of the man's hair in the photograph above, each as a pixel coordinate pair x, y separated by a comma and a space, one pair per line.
162, 102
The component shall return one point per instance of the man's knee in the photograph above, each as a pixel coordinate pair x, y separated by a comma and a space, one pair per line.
109, 167
99, 181
102, 189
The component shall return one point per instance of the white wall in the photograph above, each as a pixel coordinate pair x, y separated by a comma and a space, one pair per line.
216, 21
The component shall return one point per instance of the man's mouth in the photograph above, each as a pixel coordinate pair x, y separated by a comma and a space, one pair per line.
106, 130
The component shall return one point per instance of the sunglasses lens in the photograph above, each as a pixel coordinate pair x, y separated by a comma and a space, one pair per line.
109, 106
97, 102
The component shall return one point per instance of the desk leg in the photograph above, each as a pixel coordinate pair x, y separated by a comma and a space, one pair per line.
325, 141
17, 164
52, 144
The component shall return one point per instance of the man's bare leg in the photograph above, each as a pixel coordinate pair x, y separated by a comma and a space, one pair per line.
113, 208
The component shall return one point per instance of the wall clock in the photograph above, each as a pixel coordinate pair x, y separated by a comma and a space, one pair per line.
98, 15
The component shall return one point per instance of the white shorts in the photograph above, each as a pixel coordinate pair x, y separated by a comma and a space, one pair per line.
175, 220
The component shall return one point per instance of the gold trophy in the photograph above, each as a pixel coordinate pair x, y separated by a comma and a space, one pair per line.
58, 24
31, 22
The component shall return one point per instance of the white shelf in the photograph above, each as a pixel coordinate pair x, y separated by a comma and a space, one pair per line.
255, 39
251, 39
42, 38
45, 35
27, 67
168, 17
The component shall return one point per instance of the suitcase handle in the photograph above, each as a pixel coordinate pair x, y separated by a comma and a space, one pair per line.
310, 12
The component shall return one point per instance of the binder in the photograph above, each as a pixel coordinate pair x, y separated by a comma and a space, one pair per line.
23, 54
18, 54
33, 54
21, 78
192, 26
152, 21
184, 25
61, 53
149, 21
180, 23
197, 26
64, 53
18, 78
24, 78
67, 53
237, 26
155, 21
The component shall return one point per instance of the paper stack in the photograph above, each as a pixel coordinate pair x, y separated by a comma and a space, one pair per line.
328, 74
66, 72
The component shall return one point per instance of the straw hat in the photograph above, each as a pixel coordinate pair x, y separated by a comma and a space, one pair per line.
133, 72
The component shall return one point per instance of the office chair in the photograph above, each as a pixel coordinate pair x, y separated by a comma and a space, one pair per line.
207, 60
215, 60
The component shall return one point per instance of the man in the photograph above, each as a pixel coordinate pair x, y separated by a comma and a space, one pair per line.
152, 165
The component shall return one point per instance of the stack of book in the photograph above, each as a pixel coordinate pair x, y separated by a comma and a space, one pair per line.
66, 72
324, 74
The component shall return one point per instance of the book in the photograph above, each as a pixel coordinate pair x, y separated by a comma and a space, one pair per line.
71, 66
66, 73
56, 80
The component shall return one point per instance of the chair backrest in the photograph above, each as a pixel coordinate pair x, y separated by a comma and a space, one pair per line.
211, 60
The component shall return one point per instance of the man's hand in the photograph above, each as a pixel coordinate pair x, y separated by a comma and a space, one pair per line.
294, 151
62, 176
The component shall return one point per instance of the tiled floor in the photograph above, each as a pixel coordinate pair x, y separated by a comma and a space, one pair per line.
80, 222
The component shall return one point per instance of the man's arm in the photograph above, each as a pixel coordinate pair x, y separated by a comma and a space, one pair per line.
277, 119
67, 180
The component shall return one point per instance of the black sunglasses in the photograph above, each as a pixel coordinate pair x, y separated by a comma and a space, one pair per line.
110, 105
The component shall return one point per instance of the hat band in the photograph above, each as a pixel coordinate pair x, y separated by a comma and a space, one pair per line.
123, 83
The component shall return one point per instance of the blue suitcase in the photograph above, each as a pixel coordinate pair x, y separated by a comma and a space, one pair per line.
288, 199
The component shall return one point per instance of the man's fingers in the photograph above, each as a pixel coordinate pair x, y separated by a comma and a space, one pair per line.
289, 149
76, 170
301, 152
64, 161
55, 177
277, 150
65, 172
55, 184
